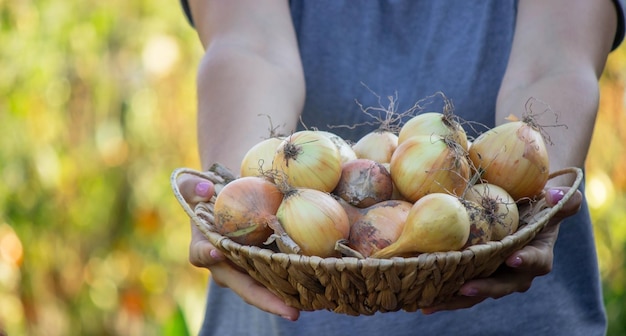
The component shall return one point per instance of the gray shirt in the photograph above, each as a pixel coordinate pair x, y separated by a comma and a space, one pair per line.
366, 51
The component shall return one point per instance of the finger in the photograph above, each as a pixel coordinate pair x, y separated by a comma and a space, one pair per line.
537, 257
201, 252
571, 207
195, 189
504, 283
251, 291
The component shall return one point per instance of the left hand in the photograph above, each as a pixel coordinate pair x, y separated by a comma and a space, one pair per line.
521, 267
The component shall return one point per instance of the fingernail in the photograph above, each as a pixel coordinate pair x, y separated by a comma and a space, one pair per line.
202, 189
517, 262
469, 291
287, 317
215, 255
555, 195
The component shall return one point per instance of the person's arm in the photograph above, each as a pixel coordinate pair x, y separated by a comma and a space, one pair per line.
251, 70
558, 53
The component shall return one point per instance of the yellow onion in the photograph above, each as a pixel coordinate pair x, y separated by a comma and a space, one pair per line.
395, 194
480, 227
258, 160
314, 220
308, 159
245, 208
513, 156
364, 182
377, 145
434, 123
437, 222
345, 150
378, 226
500, 210
427, 164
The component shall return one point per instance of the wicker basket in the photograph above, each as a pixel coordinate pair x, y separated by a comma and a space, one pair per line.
366, 286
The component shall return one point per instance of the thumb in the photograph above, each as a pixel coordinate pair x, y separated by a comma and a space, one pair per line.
555, 194
195, 189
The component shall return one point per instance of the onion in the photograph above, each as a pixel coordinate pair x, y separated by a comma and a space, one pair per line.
345, 150
480, 227
314, 220
245, 208
364, 182
437, 222
258, 160
513, 156
377, 145
353, 212
308, 159
427, 164
434, 123
378, 227
501, 211
395, 194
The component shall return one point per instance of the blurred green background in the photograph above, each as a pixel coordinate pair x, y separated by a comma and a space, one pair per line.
97, 107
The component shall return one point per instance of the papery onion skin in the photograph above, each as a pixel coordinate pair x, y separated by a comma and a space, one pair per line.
513, 156
480, 226
437, 222
244, 209
345, 150
364, 182
308, 159
258, 160
379, 226
500, 209
433, 123
314, 220
377, 145
423, 164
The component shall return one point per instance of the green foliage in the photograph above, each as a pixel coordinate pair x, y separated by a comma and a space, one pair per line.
97, 110
97, 104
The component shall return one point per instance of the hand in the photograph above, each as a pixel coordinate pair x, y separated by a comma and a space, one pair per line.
203, 254
521, 267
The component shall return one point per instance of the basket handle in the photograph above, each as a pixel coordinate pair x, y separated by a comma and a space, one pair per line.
579, 178
217, 174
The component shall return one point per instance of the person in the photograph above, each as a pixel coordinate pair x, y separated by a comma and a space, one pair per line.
309, 62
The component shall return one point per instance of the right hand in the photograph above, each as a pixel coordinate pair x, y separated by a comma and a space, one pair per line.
225, 274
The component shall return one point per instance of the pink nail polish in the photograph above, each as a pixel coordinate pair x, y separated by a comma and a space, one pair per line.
289, 318
517, 261
555, 195
215, 255
470, 292
202, 189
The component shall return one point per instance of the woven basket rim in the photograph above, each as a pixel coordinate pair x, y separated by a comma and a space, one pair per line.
355, 286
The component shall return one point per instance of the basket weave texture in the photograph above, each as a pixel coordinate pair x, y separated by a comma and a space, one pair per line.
366, 286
